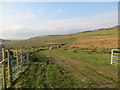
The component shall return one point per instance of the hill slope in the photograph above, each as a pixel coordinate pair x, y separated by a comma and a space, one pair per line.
98, 40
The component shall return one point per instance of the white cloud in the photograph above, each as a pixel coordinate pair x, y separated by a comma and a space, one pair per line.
63, 26
10, 18
78, 24
27, 15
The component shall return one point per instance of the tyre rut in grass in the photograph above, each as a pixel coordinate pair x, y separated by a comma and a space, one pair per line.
91, 75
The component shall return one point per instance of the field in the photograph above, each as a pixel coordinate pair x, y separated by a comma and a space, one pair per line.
80, 60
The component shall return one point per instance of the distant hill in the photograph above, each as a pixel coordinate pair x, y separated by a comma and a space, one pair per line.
44, 36
97, 40
3, 40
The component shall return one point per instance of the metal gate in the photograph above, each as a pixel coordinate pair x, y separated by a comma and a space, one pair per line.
13, 63
115, 56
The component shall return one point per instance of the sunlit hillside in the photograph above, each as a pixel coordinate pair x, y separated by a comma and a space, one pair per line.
98, 40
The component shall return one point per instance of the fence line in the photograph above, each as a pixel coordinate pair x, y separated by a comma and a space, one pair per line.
14, 63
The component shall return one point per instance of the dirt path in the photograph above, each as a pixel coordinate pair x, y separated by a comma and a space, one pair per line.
89, 75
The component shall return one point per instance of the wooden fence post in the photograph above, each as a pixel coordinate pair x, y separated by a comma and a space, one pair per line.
3, 69
10, 78
27, 57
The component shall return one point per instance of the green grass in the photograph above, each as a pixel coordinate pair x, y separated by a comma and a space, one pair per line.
100, 59
102, 32
38, 57
43, 75
93, 66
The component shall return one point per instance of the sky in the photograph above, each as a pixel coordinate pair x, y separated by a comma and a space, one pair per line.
23, 20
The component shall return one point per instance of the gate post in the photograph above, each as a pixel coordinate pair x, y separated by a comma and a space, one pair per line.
3, 69
1, 45
111, 56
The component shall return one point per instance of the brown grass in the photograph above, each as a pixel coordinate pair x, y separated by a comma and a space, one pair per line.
97, 42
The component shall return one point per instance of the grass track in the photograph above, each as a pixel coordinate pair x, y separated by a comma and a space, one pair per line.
90, 73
